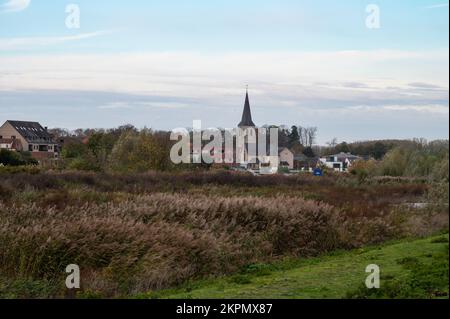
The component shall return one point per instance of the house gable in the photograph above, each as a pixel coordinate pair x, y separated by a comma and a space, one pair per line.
8, 131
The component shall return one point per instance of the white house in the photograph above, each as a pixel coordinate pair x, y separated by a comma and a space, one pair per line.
339, 162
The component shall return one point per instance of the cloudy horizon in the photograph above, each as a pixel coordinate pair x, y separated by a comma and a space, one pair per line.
352, 82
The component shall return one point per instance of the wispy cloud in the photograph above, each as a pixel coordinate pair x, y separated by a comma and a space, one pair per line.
425, 86
14, 5
427, 108
141, 105
10, 44
286, 76
169, 89
440, 5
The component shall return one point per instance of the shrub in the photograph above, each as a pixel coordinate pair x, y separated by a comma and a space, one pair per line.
138, 152
6, 171
13, 158
419, 160
364, 169
83, 164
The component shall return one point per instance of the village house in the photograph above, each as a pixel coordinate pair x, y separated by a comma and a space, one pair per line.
286, 157
339, 162
28, 136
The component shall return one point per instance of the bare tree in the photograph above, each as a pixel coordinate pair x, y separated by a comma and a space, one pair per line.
79, 132
307, 135
300, 135
333, 142
312, 135
59, 132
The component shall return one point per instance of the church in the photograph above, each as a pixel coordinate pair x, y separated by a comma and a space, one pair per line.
265, 164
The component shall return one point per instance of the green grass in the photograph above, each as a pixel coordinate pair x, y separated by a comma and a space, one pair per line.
409, 269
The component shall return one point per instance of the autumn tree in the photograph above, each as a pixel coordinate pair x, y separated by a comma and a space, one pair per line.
137, 152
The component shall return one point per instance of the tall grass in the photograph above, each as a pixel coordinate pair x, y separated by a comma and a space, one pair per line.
159, 240
133, 233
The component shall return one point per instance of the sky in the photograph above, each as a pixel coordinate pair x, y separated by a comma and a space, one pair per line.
163, 64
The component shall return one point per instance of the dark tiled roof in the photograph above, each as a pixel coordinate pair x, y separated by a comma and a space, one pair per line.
33, 132
247, 114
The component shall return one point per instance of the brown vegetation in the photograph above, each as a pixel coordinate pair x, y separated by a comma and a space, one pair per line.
132, 233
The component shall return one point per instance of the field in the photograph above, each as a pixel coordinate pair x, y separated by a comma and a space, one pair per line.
142, 234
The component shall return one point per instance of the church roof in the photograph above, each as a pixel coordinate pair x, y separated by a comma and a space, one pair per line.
247, 114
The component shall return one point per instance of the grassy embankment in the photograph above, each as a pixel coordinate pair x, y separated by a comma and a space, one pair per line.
409, 269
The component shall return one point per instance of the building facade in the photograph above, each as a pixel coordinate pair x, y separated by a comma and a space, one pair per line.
339, 162
31, 137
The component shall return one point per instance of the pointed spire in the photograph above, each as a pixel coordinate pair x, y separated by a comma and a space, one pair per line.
247, 114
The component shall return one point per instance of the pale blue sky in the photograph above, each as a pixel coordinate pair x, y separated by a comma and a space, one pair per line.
235, 25
163, 64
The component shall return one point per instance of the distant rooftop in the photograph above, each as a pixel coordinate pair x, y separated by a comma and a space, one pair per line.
345, 155
33, 132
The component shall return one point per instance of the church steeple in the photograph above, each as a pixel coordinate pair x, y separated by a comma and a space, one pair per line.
247, 114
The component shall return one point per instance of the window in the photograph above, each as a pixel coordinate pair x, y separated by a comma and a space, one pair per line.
13, 137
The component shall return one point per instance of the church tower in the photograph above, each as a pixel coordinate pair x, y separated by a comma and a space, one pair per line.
246, 114
247, 150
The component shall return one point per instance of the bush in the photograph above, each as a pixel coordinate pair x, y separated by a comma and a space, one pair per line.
421, 160
364, 169
138, 152
7, 170
395, 162
83, 164
12, 158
